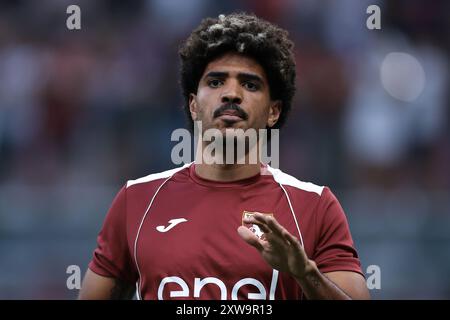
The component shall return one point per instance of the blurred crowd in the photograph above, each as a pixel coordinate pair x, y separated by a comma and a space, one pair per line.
100, 103
96, 107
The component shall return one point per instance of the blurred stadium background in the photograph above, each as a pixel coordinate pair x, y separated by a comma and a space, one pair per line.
83, 111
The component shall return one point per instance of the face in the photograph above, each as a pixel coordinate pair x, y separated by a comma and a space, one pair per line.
233, 92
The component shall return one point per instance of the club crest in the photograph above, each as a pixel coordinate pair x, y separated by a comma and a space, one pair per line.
253, 227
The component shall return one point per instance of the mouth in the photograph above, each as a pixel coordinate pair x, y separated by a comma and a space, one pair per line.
230, 116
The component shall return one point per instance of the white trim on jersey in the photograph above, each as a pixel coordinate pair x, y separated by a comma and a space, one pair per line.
156, 176
280, 177
285, 179
168, 175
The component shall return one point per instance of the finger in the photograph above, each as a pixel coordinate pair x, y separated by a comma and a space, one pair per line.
275, 240
279, 230
252, 219
274, 230
272, 224
290, 238
273, 233
250, 237
260, 219
262, 226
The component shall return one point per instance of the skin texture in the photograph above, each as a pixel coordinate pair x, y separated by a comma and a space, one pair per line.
284, 252
96, 287
241, 80
252, 96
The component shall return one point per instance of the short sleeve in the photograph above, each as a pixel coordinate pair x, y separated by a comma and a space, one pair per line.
112, 256
335, 250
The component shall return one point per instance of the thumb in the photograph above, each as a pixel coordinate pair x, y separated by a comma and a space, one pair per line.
249, 237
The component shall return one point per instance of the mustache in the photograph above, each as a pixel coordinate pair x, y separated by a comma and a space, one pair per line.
231, 106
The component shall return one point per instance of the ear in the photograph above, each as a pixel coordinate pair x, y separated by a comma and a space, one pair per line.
274, 113
193, 106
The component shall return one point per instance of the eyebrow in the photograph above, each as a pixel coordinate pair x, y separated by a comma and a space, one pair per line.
241, 76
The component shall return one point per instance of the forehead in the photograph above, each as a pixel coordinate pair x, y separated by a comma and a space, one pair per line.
235, 63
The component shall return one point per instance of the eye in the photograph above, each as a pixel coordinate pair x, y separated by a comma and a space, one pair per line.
251, 86
215, 83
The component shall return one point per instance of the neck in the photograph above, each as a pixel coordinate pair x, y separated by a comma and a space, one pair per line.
226, 172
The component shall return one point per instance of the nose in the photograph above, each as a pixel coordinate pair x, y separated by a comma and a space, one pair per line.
232, 93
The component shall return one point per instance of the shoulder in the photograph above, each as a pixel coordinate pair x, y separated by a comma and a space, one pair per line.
285, 179
155, 178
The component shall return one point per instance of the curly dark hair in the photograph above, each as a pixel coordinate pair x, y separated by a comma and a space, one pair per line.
247, 34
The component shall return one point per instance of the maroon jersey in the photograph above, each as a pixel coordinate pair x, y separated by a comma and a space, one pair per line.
175, 235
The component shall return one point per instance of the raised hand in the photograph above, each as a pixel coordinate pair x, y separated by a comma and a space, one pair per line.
280, 249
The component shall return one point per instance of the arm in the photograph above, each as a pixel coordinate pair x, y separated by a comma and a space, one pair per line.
285, 253
338, 285
353, 283
96, 287
111, 273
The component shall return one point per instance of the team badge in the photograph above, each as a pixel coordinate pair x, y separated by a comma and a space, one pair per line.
253, 227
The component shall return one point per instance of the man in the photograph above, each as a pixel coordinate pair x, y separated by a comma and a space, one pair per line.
228, 231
